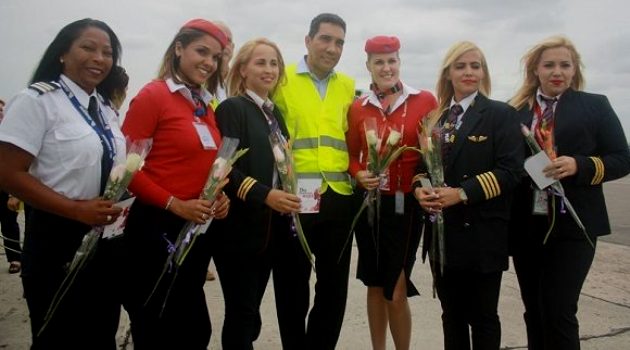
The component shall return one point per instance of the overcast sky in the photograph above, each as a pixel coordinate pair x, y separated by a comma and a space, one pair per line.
504, 30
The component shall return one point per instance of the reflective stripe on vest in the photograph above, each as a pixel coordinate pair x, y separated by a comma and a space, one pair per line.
325, 141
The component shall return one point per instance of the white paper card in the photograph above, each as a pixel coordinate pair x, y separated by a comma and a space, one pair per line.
117, 227
308, 192
534, 166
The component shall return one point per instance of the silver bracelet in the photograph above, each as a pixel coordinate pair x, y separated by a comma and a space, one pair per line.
169, 202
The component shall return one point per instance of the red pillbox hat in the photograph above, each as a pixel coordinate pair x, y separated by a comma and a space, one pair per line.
209, 28
382, 44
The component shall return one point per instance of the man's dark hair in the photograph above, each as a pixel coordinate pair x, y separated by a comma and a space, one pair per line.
325, 18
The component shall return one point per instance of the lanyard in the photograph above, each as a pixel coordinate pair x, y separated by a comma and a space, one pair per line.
104, 132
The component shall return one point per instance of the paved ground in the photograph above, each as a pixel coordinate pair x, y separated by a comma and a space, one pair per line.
604, 306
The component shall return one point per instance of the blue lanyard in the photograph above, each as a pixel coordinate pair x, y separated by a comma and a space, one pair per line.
104, 133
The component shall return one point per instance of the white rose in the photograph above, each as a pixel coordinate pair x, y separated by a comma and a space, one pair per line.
134, 161
371, 137
218, 168
278, 154
117, 173
394, 137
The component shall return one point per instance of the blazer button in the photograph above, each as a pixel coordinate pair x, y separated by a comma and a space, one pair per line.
465, 176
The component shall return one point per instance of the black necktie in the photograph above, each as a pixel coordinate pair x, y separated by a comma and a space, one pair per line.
448, 130
106, 161
267, 107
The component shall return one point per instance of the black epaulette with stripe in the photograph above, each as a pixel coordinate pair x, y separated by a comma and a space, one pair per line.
43, 87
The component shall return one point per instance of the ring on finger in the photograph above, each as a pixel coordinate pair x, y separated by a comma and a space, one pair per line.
109, 218
204, 216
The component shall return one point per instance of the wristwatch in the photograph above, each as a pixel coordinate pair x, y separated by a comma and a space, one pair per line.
462, 195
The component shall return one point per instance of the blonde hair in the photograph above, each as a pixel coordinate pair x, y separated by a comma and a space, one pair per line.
444, 87
526, 94
169, 67
235, 82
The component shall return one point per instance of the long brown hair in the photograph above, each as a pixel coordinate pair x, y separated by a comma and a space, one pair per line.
235, 82
170, 62
526, 94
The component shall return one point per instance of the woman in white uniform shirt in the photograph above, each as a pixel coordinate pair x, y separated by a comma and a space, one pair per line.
56, 157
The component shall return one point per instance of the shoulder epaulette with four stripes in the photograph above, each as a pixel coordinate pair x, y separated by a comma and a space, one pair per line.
43, 87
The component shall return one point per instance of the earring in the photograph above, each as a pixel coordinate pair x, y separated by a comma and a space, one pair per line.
61, 60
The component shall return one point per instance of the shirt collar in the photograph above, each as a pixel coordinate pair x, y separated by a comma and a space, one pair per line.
302, 68
257, 99
79, 93
183, 89
540, 100
465, 102
406, 91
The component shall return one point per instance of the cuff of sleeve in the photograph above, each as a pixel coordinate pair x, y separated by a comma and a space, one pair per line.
481, 187
587, 169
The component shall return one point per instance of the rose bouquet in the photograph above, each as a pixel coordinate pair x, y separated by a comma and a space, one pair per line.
286, 171
226, 157
119, 178
430, 140
545, 137
381, 152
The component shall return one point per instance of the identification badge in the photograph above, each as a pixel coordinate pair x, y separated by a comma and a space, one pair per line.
399, 203
384, 181
117, 227
540, 203
308, 192
204, 136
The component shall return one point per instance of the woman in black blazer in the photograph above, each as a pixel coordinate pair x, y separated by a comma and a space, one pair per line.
245, 241
591, 148
482, 161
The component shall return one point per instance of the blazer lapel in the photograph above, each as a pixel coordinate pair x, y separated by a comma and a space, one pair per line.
469, 120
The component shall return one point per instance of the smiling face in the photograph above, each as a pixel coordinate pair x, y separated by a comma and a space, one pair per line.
466, 74
261, 72
324, 49
384, 69
89, 59
555, 71
199, 59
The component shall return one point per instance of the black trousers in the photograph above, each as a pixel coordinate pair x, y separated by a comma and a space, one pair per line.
551, 278
88, 315
469, 305
184, 323
244, 273
10, 229
326, 233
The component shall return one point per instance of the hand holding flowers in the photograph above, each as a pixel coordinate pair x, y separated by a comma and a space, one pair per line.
556, 170
120, 176
285, 201
200, 212
429, 138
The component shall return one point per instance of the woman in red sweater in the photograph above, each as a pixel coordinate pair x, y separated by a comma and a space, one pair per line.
386, 258
173, 110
